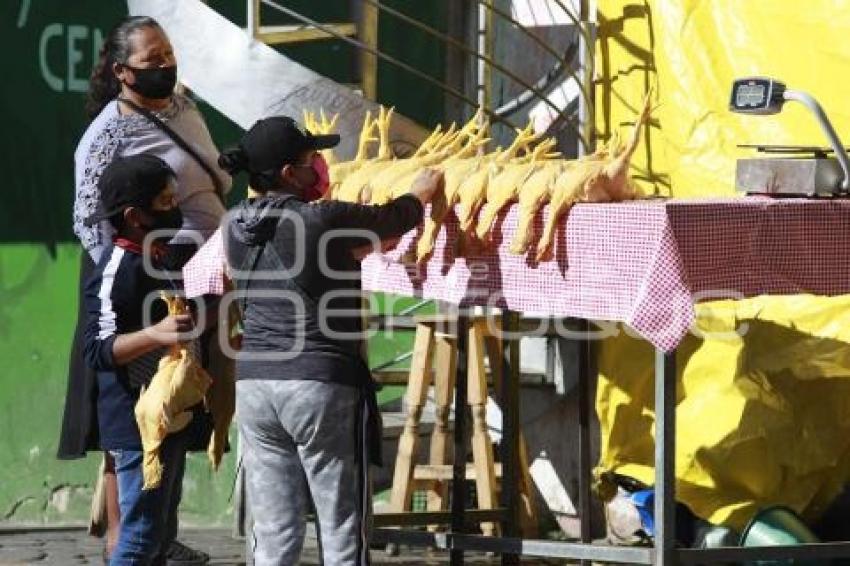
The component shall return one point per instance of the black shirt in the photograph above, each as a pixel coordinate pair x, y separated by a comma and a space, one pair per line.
302, 317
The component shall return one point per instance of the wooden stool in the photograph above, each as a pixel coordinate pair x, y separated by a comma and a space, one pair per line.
434, 336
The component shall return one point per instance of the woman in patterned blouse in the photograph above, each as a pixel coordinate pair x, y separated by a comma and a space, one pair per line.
137, 70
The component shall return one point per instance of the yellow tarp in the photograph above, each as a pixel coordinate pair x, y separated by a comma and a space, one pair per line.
761, 419
691, 51
764, 419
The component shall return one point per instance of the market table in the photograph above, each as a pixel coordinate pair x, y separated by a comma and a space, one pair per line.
645, 264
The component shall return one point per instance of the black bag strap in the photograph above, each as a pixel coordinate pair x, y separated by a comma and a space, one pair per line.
181, 143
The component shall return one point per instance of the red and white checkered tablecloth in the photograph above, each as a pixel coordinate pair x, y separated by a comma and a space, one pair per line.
204, 273
643, 263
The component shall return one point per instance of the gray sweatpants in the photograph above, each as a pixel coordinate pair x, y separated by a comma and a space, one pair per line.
301, 435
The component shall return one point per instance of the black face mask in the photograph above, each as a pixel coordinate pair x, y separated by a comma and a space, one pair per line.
171, 219
156, 83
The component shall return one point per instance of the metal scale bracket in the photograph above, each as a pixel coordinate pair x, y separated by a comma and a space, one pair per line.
804, 171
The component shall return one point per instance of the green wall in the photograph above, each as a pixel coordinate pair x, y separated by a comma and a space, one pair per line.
46, 52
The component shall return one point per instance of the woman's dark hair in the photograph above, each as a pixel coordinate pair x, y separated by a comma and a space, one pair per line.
234, 161
103, 85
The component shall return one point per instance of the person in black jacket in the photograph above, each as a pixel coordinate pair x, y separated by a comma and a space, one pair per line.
305, 400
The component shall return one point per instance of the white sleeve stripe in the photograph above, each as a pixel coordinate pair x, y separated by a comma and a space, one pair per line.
108, 319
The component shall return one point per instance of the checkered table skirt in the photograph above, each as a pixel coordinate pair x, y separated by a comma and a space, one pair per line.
204, 273
643, 263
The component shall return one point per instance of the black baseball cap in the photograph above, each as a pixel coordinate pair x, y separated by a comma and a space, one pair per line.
134, 180
274, 142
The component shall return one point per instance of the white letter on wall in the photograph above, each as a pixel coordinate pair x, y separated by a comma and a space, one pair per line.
51, 31
75, 55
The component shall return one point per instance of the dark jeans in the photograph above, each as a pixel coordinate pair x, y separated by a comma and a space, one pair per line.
148, 517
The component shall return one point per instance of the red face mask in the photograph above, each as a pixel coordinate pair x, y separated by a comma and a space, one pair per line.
323, 181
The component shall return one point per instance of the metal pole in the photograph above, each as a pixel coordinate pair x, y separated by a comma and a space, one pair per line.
510, 430
587, 44
459, 464
837, 147
586, 368
665, 457
481, 68
252, 17
368, 32
485, 44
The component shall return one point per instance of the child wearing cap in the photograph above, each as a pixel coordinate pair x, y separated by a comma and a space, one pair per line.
137, 198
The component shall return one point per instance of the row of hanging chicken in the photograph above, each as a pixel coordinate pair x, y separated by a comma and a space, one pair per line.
527, 172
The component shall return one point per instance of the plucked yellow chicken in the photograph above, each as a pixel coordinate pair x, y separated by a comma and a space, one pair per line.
349, 179
504, 186
322, 125
455, 169
394, 180
339, 172
220, 399
456, 173
163, 407
593, 180
472, 194
533, 177
536, 191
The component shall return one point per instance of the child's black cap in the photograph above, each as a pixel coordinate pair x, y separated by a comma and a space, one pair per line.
134, 180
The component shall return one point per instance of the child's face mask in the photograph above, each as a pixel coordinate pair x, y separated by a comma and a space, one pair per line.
171, 219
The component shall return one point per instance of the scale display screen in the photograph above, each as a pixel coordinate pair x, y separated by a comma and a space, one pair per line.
754, 95
757, 95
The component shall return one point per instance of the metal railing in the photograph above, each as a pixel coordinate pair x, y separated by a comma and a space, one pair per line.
537, 91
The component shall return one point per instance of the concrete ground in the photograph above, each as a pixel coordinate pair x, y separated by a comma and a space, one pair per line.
72, 546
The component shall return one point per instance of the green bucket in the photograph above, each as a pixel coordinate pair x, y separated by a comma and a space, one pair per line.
778, 526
